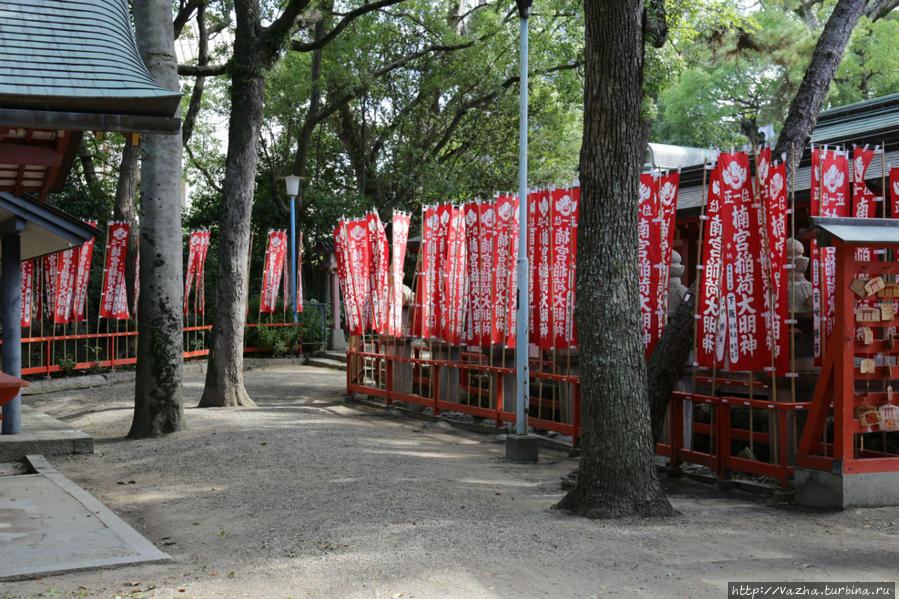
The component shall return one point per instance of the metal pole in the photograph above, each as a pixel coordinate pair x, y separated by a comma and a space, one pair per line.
522, 376
12, 324
293, 256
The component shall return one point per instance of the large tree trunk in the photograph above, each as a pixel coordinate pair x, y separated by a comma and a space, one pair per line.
813, 90
617, 474
224, 376
124, 209
157, 396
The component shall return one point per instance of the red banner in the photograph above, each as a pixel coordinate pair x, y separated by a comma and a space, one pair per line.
542, 259
423, 311
401, 223
48, 272
834, 194
378, 272
894, 192
863, 199
454, 278
775, 198
26, 272
194, 249
710, 349
480, 219
300, 274
344, 276
358, 267
200, 298
65, 284
274, 265
649, 254
79, 297
113, 302
668, 187
565, 210
505, 256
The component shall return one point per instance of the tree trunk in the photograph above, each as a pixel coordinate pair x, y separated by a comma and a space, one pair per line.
617, 474
224, 375
124, 209
815, 84
157, 397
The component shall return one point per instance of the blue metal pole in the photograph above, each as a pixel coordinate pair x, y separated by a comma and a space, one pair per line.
293, 256
522, 376
11, 298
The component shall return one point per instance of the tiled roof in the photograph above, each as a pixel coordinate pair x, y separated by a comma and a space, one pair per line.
75, 56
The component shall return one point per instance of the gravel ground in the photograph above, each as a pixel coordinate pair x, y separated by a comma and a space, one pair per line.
307, 496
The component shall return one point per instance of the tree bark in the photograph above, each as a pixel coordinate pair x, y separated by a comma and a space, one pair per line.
124, 209
815, 84
617, 475
255, 49
157, 397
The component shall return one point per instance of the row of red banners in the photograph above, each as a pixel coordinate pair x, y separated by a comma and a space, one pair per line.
742, 309
830, 196
466, 276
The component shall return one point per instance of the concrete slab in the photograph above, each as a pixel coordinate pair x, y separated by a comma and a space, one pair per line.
50, 525
828, 490
43, 435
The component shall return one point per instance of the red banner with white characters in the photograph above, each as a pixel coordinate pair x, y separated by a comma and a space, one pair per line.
834, 201
454, 278
744, 282
775, 198
194, 251
200, 298
480, 231
49, 267
113, 302
274, 264
401, 223
136, 280
668, 187
300, 274
65, 284
26, 272
542, 260
894, 192
378, 271
423, 307
863, 199
649, 254
344, 276
82, 278
358, 267
565, 211
440, 291
709, 351
530, 249
505, 256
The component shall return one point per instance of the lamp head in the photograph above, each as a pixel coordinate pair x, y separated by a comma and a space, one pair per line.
293, 185
523, 7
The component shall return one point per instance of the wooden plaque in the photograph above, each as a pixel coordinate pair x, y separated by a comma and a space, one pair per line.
874, 285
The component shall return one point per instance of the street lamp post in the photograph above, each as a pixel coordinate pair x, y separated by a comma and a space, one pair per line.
293, 190
520, 447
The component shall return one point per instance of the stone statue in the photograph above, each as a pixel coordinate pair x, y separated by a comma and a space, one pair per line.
676, 289
801, 298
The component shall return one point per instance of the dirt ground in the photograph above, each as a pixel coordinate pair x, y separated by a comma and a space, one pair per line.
307, 496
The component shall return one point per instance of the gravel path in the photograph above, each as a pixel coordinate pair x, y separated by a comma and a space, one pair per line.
306, 496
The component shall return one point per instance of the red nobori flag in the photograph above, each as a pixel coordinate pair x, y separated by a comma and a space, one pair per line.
194, 249
833, 191
401, 224
668, 187
457, 279
358, 266
565, 210
423, 309
344, 277
863, 199
65, 285
200, 298
648, 254
274, 264
543, 244
504, 259
480, 219
894, 192
533, 327
775, 196
744, 282
378, 274
709, 352
79, 296
440, 292
111, 304
50, 265
26, 272
300, 275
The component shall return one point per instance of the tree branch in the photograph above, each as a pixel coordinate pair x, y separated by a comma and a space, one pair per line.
208, 70
299, 46
184, 14
880, 8
203, 170
196, 96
